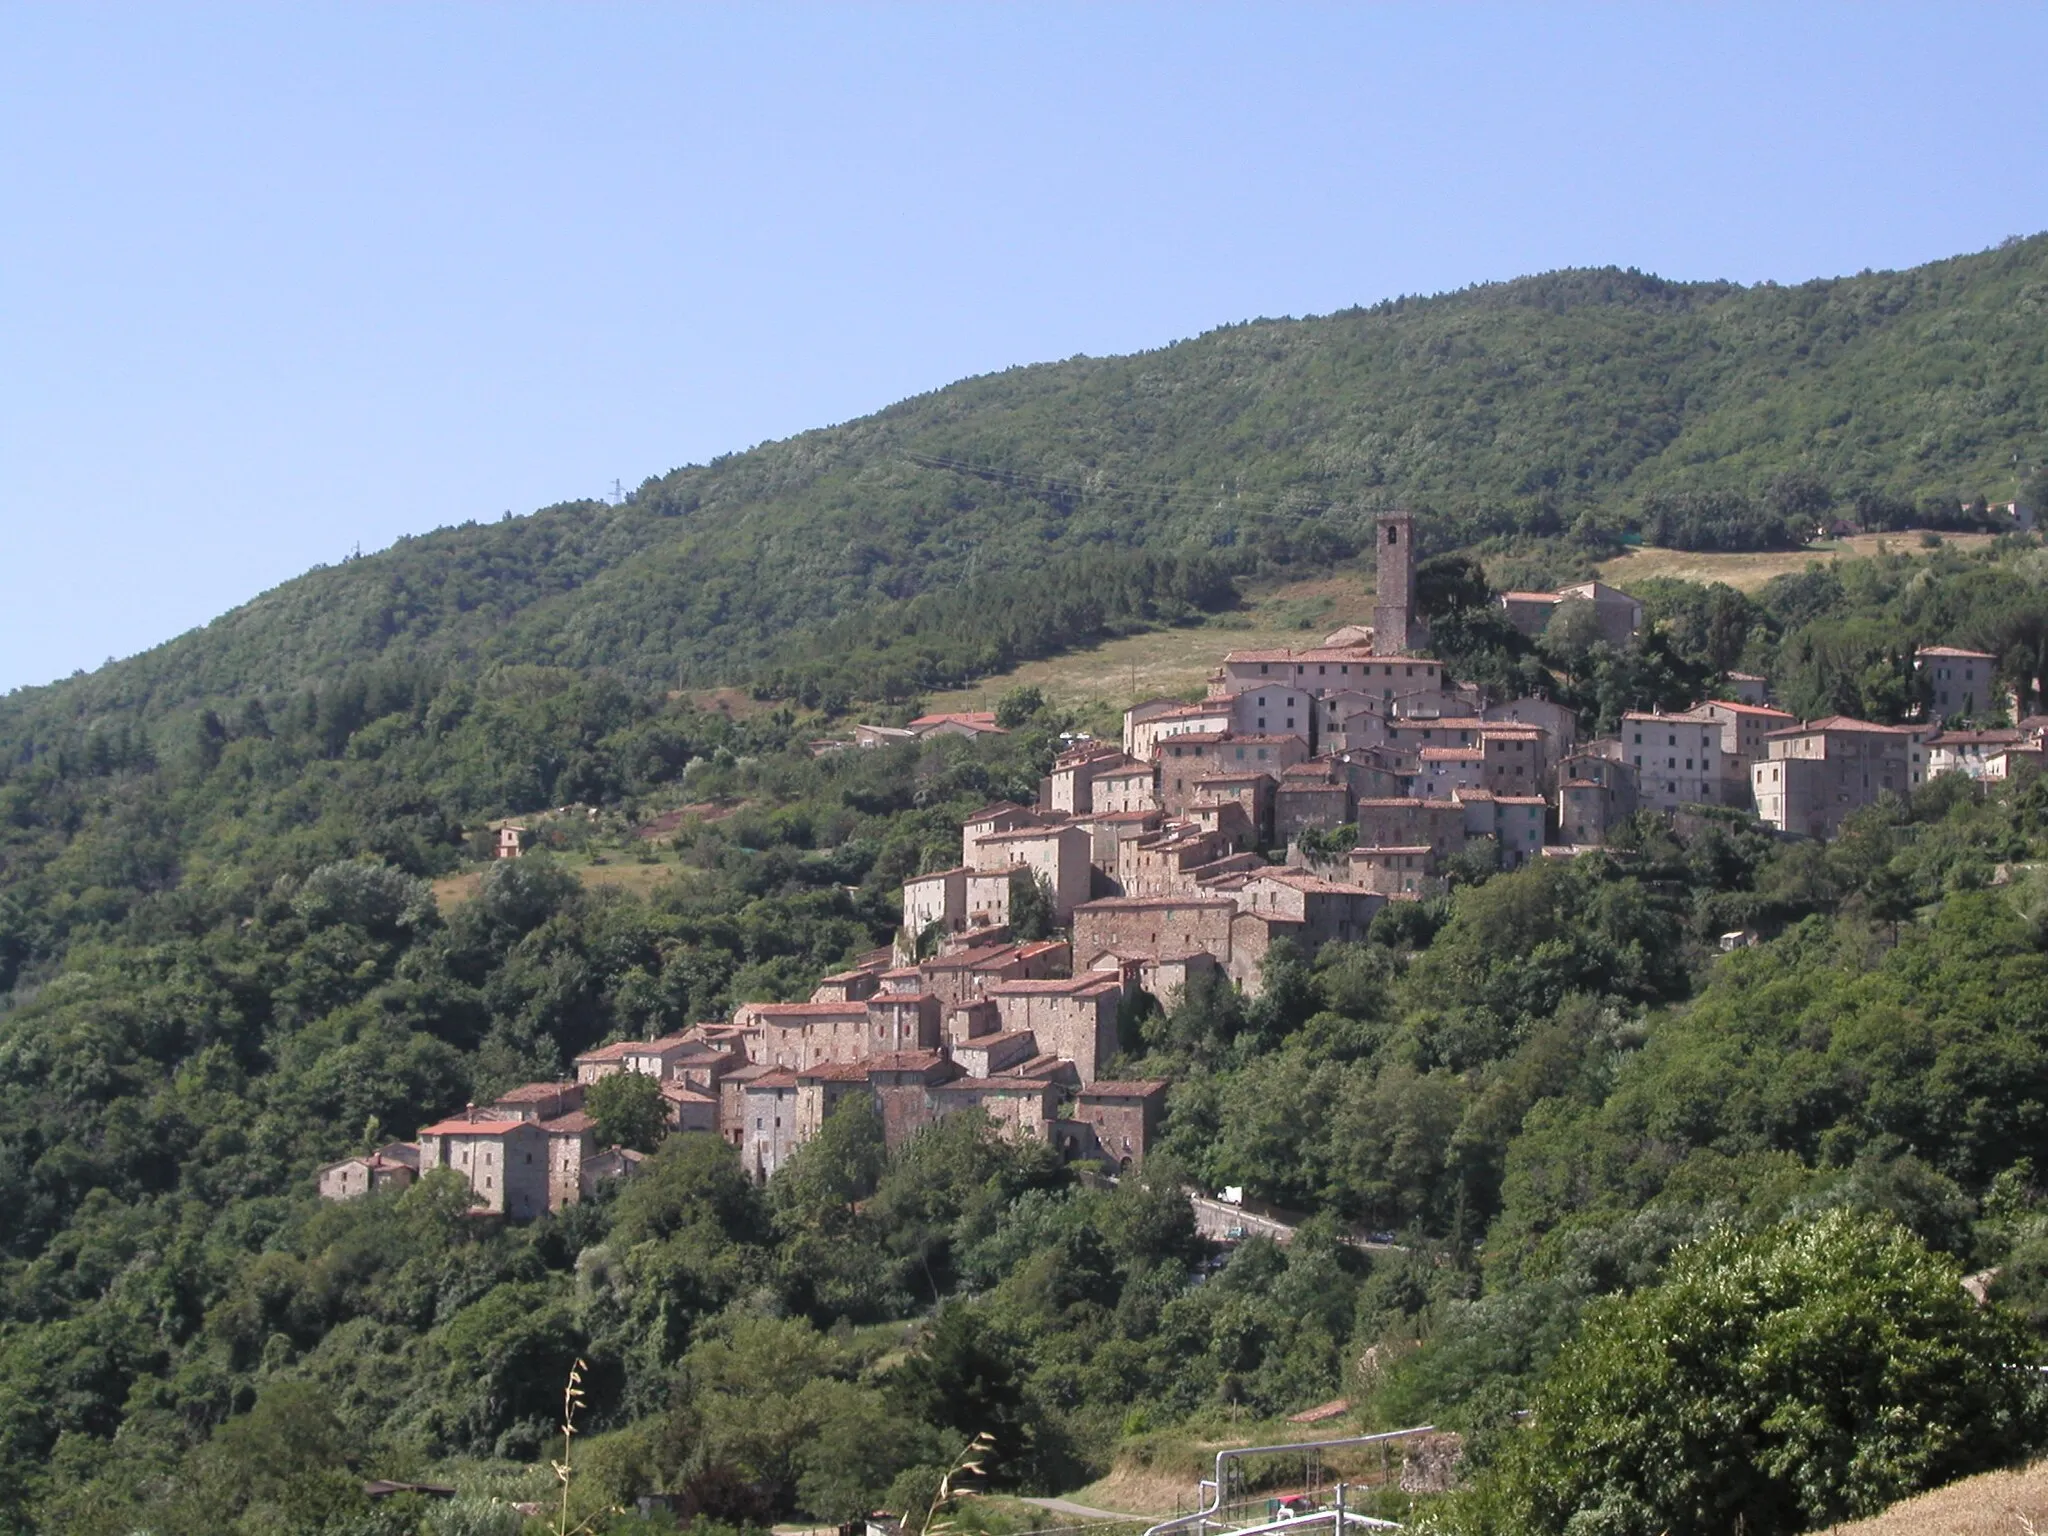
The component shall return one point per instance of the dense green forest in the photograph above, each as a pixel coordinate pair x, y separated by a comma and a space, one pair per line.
224, 961
226, 967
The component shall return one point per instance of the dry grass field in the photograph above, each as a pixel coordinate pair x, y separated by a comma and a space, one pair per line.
451, 891
1994, 1504
1177, 662
1748, 572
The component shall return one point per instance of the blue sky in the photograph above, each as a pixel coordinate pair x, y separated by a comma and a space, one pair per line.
281, 280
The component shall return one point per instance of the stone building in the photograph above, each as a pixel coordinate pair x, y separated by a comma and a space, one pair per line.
1125, 1116
1818, 774
504, 1161
1677, 757
1396, 626
1958, 682
1074, 1019
392, 1167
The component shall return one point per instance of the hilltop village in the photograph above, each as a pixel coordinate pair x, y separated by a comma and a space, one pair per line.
1305, 792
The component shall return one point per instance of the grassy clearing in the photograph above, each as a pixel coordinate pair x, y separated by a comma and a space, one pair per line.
1176, 663
616, 873
1748, 572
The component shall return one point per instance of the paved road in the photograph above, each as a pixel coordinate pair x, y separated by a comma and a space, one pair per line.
1083, 1512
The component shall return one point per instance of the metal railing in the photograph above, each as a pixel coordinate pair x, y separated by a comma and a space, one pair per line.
1339, 1519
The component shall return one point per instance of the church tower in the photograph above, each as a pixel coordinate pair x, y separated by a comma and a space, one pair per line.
1396, 631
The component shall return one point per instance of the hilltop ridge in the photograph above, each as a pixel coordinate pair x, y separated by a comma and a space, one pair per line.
1514, 408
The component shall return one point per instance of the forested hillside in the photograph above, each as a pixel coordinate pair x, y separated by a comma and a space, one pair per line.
1123, 490
248, 924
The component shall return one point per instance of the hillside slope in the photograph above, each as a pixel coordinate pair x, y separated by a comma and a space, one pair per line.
1510, 407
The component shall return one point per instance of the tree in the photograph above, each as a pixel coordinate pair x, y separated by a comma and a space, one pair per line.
1810, 1373
1017, 707
629, 1110
1032, 915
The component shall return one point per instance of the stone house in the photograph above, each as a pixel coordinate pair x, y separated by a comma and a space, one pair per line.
854, 986
1816, 775
1074, 1019
571, 1142
902, 1085
935, 898
986, 1055
1071, 788
1057, 856
1253, 793
595, 1066
1147, 729
504, 1161
1677, 757
1959, 682
1743, 729
393, 1167
1155, 926
970, 723
1329, 912
1023, 1108
768, 1126
1002, 816
1595, 794
1516, 759
1186, 760
1315, 794
1403, 823
1127, 789
690, 1108
1441, 770
1967, 752
802, 1034
1125, 1116
1409, 870
540, 1101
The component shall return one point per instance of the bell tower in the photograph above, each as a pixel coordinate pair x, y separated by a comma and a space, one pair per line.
1395, 629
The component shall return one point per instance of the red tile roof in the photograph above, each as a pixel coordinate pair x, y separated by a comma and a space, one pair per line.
474, 1125
575, 1123
1135, 1088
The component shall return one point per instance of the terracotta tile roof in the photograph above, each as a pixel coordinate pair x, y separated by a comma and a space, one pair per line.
937, 874
474, 1125
834, 1072
775, 1080
1384, 849
1133, 1088
1955, 652
683, 1093
1531, 597
1453, 754
1510, 733
536, 1093
1087, 981
1519, 800
575, 1123
617, 1051
1748, 709
1131, 903
1836, 723
798, 1013
983, 718
906, 1061
901, 999
999, 808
